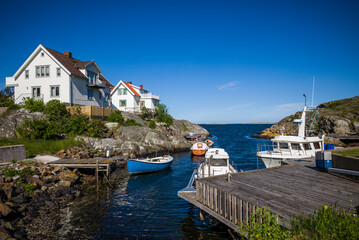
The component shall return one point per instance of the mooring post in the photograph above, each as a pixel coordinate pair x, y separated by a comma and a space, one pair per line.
201, 216
97, 173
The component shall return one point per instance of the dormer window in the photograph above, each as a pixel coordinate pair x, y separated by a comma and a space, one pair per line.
91, 77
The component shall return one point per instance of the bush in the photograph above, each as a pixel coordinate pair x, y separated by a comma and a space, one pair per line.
77, 124
146, 114
327, 223
116, 117
38, 129
131, 122
56, 111
268, 229
34, 105
96, 128
152, 124
162, 114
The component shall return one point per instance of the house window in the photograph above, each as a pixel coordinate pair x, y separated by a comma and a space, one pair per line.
58, 72
123, 103
89, 94
36, 92
91, 77
42, 54
107, 97
26, 73
55, 91
42, 71
122, 91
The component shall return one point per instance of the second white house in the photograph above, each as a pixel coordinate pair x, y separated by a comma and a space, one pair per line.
130, 98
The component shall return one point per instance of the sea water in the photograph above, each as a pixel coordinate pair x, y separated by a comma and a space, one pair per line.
147, 206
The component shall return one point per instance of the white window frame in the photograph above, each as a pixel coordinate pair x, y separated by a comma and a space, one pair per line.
58, 90
42, 71
58, 72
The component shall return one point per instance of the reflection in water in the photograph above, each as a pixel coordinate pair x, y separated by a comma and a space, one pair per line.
147, 206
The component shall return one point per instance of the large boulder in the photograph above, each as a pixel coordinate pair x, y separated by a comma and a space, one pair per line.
9, 122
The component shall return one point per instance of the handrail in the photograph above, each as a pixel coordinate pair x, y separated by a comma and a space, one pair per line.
190, 187
29, 94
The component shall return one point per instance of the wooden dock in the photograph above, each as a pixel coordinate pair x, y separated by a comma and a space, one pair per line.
105, 165
288, 190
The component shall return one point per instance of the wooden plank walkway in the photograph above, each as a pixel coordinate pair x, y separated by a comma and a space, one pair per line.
102, 164
288, 190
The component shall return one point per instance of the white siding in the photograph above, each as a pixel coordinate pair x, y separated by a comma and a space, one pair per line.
25, 85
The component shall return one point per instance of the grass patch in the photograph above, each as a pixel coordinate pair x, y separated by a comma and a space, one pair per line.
352, 152
39, 146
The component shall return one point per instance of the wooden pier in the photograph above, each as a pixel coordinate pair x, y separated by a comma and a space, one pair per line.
288, 190
105, 165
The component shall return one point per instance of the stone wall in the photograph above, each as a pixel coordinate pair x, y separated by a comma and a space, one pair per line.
8, 153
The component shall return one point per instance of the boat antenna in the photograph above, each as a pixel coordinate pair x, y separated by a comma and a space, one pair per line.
313, 92
305, 99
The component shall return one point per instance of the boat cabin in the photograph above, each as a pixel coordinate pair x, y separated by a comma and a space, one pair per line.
216, 163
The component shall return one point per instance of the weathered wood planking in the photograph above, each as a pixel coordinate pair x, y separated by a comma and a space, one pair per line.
100, 164
288, 190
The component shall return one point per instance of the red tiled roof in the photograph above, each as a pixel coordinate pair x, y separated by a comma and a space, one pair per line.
131, 89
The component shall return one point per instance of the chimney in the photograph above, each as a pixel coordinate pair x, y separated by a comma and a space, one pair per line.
68, 54
141, 86
129, 82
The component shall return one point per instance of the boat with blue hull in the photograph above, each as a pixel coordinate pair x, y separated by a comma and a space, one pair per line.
145, 165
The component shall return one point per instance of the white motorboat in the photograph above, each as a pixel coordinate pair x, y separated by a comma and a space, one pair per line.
291, 147
216, 163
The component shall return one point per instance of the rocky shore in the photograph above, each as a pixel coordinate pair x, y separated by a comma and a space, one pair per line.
333, 119
32, 195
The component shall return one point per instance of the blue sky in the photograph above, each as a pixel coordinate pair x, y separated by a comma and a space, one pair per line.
210, 61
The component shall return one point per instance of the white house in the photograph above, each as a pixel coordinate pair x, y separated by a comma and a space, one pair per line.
130, 98
48, 74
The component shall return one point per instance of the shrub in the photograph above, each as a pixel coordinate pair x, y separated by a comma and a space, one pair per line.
116, 117
152, 124
56, 111
38, 129
162, 114
327, 223
77, 124
96, 128
131, 122
34, 105
268, 229
146, 114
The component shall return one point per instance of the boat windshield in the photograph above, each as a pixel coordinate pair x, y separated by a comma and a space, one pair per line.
218, 162
316, 145
295, 146
283, 145
307, 146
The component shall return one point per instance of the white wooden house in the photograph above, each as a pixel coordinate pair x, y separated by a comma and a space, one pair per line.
130, 98
48, 74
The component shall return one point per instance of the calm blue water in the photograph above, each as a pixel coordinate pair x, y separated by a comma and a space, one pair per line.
147, 206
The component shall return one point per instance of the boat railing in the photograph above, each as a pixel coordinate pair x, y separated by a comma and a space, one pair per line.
190, 187
267, 148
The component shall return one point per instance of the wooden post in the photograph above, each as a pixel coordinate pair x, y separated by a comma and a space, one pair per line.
97, 173
201, 217
240, 211
229, 176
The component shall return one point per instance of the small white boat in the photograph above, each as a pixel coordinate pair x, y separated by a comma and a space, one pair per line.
291, 147
216, 163
199, 148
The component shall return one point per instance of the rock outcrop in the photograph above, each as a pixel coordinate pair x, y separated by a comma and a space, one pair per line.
11, 121
333, 119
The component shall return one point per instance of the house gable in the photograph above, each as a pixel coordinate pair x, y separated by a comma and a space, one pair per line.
127, 86
39, 50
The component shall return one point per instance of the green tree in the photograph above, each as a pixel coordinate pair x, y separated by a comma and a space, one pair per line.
162, 114
6, 97
34, 105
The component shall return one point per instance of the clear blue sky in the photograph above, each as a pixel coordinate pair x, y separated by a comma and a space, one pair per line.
210, 61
